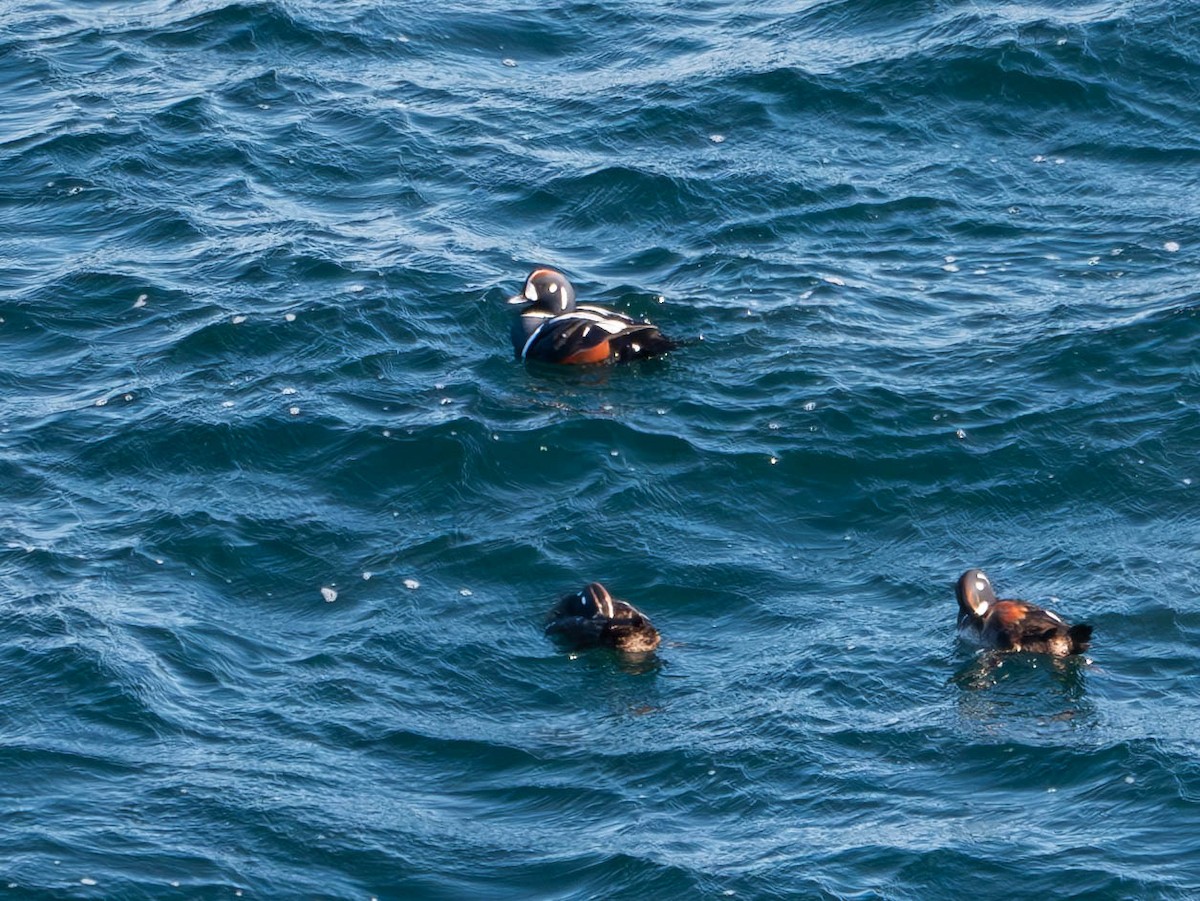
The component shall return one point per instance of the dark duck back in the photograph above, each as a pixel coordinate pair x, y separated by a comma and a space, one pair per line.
594, 618
1010, 625
553, 328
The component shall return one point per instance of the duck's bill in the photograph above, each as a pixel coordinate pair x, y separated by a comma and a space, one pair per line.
518, 298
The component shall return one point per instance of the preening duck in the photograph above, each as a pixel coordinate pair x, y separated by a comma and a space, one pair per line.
594, 618
1011, 625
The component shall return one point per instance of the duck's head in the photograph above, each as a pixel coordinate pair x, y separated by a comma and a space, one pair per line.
549, 290
975, 593
594, 601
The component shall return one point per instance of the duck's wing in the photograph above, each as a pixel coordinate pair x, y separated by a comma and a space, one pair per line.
1030, 626
579, 337
632, 339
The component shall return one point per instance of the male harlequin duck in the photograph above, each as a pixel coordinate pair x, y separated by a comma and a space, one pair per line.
1013, 625
553, 328
593, 617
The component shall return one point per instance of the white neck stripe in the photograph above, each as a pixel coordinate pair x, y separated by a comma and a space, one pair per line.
537, 331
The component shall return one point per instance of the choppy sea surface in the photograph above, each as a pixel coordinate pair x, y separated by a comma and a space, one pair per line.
282, 516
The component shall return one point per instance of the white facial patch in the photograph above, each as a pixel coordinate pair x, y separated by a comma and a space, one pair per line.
982, 608
980, 585
530, 291
553, 289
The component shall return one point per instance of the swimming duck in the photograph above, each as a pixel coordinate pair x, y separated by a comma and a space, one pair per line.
553, 328
593, 617
1013, 625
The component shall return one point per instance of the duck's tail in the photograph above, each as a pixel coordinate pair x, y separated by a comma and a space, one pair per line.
1080, 636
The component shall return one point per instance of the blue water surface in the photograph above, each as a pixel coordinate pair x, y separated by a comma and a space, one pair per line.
282, 516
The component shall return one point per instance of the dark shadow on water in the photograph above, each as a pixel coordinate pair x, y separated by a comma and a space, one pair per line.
600, 661
989, 669
1019, 687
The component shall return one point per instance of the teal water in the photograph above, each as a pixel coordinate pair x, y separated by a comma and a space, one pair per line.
283, 516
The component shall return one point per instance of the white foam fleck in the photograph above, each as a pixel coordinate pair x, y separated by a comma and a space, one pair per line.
1187, 481
1171, 246
660, 412
1129, 780
159, 561
412, 584
102, 402
810, 405
717, 139
960, 434
239, 319
834, 280
288, 391
357, 289
141, 300
127, 398
295, 411
510, 62
87, 880
1093, 261
227, 404
614, 453
465, 592
445, 401
1051, 790
773, 426
387, 433
329, 594
950, 267
1039, 159
367, 576
289, 317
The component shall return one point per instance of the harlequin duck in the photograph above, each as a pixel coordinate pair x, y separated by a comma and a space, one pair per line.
1013, 625
553, 328
593, 617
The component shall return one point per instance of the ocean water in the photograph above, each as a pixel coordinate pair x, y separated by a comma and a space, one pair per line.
282, 516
